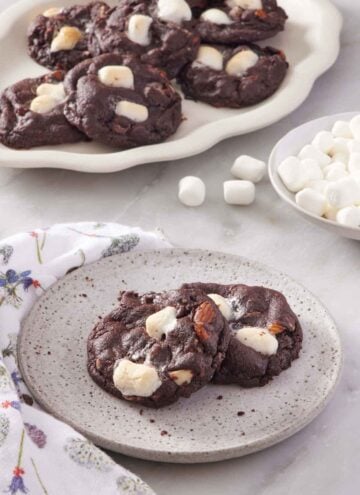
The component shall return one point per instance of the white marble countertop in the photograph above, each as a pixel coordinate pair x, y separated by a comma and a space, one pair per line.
323, 458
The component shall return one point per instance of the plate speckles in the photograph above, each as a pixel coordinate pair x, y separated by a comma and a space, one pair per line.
52, 355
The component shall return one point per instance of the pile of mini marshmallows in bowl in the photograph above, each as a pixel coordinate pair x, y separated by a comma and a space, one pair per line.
247, 170
326, 174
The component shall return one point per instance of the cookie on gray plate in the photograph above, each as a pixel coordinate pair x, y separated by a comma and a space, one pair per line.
266, 335
32, 113
58, 38
119, 101
158, 347
233, 77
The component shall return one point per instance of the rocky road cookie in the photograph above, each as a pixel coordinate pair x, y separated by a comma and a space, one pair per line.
156, 348
240, 21
153, 30
32, 113
266, 334
233, 77
58, 38
119, 101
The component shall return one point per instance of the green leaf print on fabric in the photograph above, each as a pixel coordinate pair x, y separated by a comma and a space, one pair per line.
122, 244
86, 454
133, 486
6, 252
4, 428
5, 380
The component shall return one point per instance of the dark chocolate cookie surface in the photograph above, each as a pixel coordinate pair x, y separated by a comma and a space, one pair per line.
240, 21
153, 30
266, 335
58, 38
32, 113
233, 77
156, 348
121, 102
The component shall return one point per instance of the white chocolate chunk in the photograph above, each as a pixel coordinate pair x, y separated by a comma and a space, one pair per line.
43, 104
180, 377
342, 193
355, 127
66, 39
136, 379
354, 162
259, 339
139, 29
324, 141
56, 90
209, 56
241, 62
174, 11
292, 174
248, 168
52, 11
215, 16
350, 216
239, 192
245, 4
160, 323
223, 305
116, 76
132, 111
192, 191
312, 201
342, 129
310, 151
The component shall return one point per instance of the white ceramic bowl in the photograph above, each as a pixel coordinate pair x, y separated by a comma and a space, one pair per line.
291, 144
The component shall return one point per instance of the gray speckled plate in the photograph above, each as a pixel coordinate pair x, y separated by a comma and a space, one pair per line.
52, 357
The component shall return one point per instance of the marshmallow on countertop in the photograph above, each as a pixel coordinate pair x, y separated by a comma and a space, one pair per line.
239, 192
248, 168
349, 216
175, 11
216, 16
312, 201
192, 191
259, 339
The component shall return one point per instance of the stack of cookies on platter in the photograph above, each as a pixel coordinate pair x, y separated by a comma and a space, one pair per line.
157, 347
112, 68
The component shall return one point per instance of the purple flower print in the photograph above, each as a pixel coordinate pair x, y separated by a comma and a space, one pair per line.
17, 482
36, 435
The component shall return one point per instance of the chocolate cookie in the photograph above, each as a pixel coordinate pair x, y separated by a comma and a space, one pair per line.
266, 334
240, 21
156, 348
233, 77
32, 113
153, 30
58, 38
119, 101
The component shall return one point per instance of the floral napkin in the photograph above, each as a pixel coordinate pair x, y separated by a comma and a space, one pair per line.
39, 454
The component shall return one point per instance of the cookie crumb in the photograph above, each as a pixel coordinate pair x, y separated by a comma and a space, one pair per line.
219, 397
163, 433
252, 410
141, 412
240, 413
152, 420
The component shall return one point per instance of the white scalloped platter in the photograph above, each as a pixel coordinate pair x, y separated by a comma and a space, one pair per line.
310, 41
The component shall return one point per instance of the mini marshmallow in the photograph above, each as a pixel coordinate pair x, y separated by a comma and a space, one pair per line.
139, 29
353, 146
354, 162
342, 129
355, 127
175, 11
209, 56
292, 174
324, 141
248, 168
312, 169
43, 104
161, 322
330, 213
350, 216
56, 90
52, 11
245, 4
340, 150
180, 377
132, 111
116, 76
318, 185
66, 39
259, 339
192, 191
312, 201
223, 305
310, 151
241, 62
342, 193
335, 171
215, 16
239, 192
136, 379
